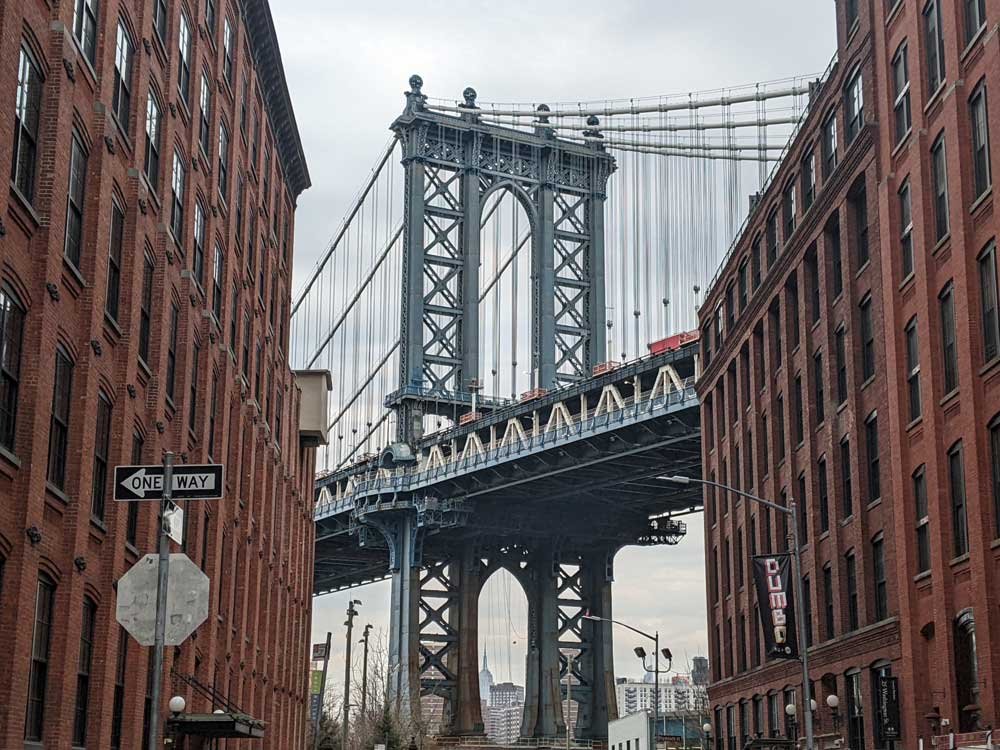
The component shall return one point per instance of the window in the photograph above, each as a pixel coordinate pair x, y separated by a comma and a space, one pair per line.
34, 722
780, 425
855, 710
905, 229
867, 340
847, 496
788, 209
743, 290
771, 236
111, 302
121, 665
277, 417
940, 178
808, 180
160, 21
901, 90
792, 306
818, 392
824, 497
153, 121
959, 517
923, 520
213, 407
815, 295
210, 17
27, 116
975, 18
989, 302
913, 369
227, 50
966, 671
102, 443
840, 344
87, 627
184, 59
754, 261
244, 105
830, 631
995, 463
934, 45
879, 589
715, 575
948, 343
259, 374
193, 406
11, 339
73, 246
853, 622
829, 144
773, 715
199, 243
855, 106
177, 199
807, 613
59, 427
872, 450
223, 161
980, 139
172, 351
803, 510
832, 237
205, 117
240, 199
852, 13
798, 405
218, 278
858, 201
132, 522
246, 346
234, 317
145, 307
121, 98
85, 27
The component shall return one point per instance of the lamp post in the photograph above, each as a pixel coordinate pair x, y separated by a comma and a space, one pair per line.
834, 703
792, 512
351, 614
641, 653
707, 729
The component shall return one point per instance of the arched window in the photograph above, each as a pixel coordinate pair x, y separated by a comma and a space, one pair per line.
11, 335
995, 463
154, 117
34, 721
87, 627
855, 710
966, 672
854, 105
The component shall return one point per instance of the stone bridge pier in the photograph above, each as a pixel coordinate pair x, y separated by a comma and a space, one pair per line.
433, 639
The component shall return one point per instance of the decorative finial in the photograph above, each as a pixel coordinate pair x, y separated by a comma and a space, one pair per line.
414, 98
416, 83
542, 118
593, 121
592, 132
470, 97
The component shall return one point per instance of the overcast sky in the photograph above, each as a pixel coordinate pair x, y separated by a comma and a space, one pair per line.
347, 65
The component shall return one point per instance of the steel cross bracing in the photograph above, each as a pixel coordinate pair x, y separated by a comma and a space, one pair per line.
453, 164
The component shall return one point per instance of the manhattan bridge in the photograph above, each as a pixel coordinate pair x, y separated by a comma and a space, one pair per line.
501, 312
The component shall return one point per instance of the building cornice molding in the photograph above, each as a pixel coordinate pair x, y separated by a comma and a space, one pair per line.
271, 74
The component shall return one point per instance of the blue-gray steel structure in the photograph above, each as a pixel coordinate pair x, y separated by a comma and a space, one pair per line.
548, 488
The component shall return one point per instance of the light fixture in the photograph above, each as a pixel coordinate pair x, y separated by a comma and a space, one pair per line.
706, 728
640, 652
832, 701
790, 709
677, 479
177, 704
666, 654
812, 704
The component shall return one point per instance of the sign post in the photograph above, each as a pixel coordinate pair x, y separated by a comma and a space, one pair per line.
163, 571
322, 686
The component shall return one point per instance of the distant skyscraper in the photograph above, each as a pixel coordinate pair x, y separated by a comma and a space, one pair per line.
699, 670
503, 718
485, 680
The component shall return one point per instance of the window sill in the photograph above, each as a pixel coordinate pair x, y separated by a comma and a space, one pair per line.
922, 576
98, 524
873, 504
852, 32
841, 406
131, 548
995, 544
10, 457
25, 204
971, 44
144, 367
990, 366
916, 422
74, 272
862, 268
962, 559
123, 133
845, 521
934, 98
868, 381
983, 198
945, 239
57, 493
907, 281
950, 396
113, 324
893, 12
903, 143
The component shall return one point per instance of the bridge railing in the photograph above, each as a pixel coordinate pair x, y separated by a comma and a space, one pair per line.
593, 420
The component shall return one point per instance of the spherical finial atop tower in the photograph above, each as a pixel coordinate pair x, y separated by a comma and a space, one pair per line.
541, 109
593, 121
470, 97
416, 83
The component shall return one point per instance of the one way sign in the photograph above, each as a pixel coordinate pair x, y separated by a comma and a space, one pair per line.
191, 482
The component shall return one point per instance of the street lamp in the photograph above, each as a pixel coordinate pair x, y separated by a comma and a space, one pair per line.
792, 512
641, 653
790, 712
707, 729
834, 703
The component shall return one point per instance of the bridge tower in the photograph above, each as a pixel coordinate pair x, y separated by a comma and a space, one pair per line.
452, 164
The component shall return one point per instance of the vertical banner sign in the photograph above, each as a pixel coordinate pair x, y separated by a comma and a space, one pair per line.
772, 576
888, 707
316, 684
315, 705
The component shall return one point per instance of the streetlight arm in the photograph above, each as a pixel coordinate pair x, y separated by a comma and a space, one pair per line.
617, 622
727, 488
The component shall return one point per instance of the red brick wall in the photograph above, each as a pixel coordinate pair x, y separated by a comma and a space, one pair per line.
254, 649
917, 637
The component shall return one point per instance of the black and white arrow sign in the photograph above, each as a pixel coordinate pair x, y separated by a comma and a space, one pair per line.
191, 482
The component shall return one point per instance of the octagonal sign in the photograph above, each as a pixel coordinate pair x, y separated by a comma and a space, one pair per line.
187, 600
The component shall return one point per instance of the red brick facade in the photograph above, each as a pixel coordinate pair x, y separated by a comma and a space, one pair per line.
233, 398
903, 587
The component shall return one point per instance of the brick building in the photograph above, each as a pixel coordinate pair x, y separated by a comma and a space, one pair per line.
145, 265
851, 362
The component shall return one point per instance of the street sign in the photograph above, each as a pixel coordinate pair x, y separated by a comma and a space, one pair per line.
315, 706
174, 519
187, 600
319, 651
191, 482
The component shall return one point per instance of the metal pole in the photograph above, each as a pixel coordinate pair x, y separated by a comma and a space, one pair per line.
364, 676
351, 612
163, 574
322, 690
803, 653
656, 688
